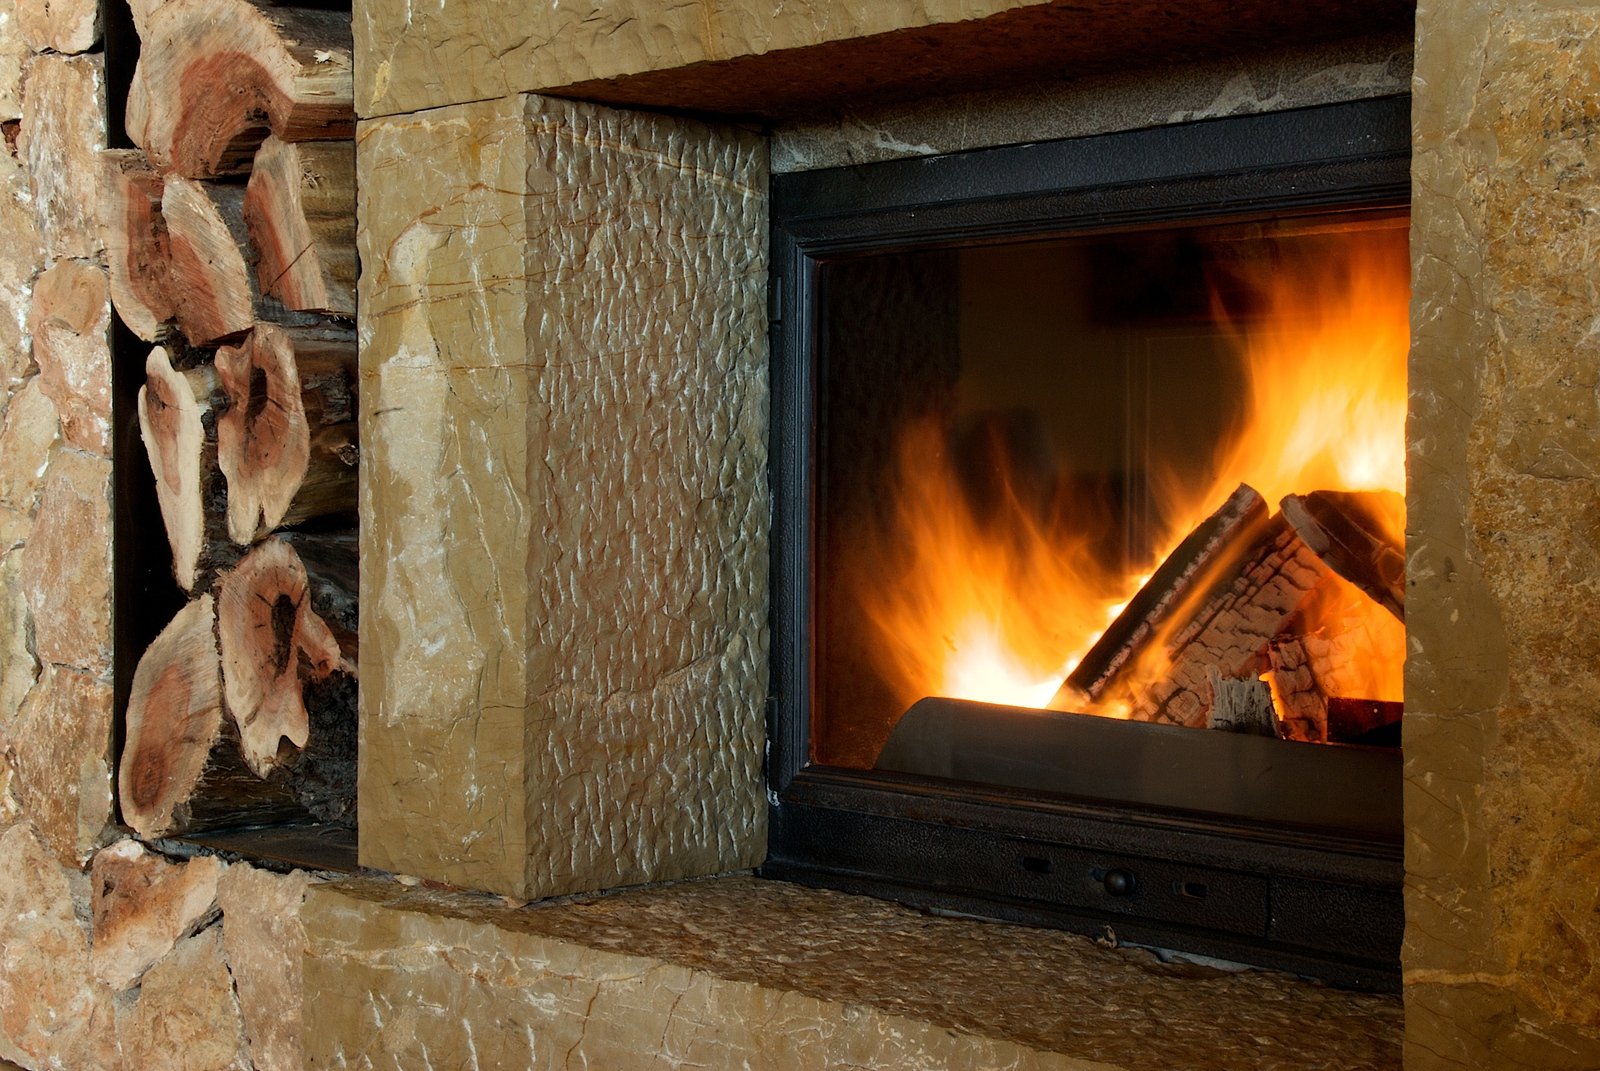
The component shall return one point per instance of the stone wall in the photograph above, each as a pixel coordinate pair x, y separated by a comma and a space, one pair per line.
110, 957
1502, 739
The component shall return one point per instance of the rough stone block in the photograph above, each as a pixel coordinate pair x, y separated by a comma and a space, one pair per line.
143, 906
65, 26
18, 668
62, 745
21, 257
70, 322
66, 570
53, 1014
563, 313
63, 131
265, 944
27, 435
13, 50
187, 1018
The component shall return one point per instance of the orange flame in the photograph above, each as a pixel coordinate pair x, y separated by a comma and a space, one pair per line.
1001, 607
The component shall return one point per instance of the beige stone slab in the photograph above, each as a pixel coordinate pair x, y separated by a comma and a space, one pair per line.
18, 667
21, 258
421, 58
63, 131
28, 434
13, 50
736, 972
265, 945
66, 570
563, 496
1502, 956
62, 751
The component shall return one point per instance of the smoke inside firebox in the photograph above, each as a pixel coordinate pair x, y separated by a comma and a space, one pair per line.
1015, 437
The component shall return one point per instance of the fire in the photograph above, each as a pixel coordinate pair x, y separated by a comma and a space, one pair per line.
999, 604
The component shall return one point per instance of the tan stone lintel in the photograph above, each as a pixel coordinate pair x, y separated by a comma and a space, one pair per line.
735, 971
733, 57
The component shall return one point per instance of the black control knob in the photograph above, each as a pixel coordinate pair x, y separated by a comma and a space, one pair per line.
1119, 882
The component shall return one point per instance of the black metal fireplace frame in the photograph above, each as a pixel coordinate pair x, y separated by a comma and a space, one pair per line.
1314, 901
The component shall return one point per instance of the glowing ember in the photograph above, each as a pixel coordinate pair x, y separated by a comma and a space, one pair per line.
1000, 606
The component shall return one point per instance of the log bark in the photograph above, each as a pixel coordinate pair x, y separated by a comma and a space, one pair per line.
301, 209
273, 644
1346, 529
181, 770
287, 443
1209, 552
216, 76
136, 242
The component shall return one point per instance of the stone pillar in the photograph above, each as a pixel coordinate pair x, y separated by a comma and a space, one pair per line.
564, 505
1501, 740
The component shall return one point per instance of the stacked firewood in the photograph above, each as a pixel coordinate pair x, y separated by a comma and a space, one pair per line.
1235, 631
231, 242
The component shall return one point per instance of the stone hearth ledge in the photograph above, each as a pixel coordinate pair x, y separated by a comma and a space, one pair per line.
739, 972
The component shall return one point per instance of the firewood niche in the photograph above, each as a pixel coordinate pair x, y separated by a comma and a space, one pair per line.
231, 246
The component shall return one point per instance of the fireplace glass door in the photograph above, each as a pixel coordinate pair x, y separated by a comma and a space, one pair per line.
1090, 555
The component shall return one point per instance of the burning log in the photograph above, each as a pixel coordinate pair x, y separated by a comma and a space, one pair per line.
214, 76
1345, 530
177, 422
273, 644
181, 769
1189, 571
301, 210
136, 242
1240, 705
287, 443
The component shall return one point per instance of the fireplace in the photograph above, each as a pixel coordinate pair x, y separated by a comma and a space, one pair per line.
1022, 477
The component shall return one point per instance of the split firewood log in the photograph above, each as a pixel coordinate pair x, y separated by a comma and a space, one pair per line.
288, 442
1176, 588
177, 419
1346, 531
136, 242
215, 76
181, 770
1240, 705
211, 264
273, 645
301, 210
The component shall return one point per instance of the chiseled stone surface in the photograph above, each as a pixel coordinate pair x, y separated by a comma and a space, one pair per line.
66, 566
735, 972
265, 943
70, 323
13, 50
62, 752
63, 131
1502, 954
53, 1014
143, 906
1127, 100
187, 1018
27, 434
422, 57
564, 505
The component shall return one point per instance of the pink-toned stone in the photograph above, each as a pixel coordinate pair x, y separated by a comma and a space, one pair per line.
63, 131
70, 322
53, 1014
143, 906
187, 1018
65, 26
26, 435
21, 256
265, 945
62, 746
66, 569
